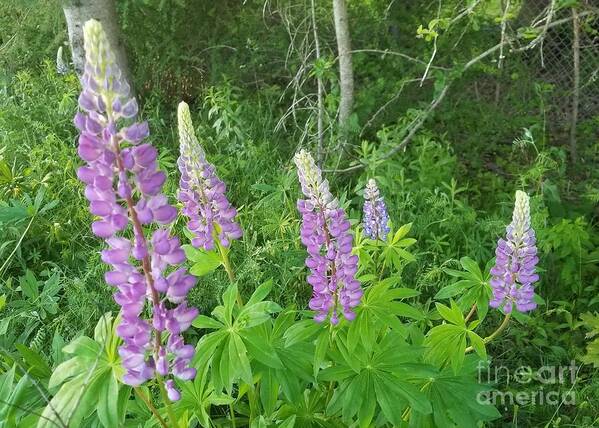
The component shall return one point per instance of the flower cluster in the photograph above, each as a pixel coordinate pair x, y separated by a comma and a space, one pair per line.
325, 233
376, 218
202, 193
516, 257
123, 185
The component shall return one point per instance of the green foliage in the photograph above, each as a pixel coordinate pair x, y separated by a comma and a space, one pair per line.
591, 322
87, 382
405, 360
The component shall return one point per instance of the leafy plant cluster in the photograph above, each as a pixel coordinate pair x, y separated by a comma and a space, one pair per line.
453, 183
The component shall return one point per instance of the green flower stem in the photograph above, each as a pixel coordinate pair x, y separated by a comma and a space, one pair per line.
472, 310
496, 333
233, 422
150, 406
166, 400
224, 256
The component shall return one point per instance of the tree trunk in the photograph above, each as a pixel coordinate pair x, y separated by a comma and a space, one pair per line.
346, 74
77, 12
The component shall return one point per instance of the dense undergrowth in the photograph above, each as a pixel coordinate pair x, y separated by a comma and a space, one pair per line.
454, 184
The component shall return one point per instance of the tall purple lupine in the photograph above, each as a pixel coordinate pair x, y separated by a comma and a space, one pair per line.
325, 233
211, 215
376, 218
514, 274
123, 185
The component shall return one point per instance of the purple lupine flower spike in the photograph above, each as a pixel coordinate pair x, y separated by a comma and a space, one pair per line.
514, 274
326, 235
123, 185
211, 216
376, 218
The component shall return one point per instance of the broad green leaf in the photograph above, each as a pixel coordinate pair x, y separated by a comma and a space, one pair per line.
202, 321
368, 404
260, 349
36, 362
471, 266
320, 351
453, 289
107, 407
453, 315
229, 297
260, 293
103, 329
29, 285
401, 232
255, 314
84, 347
52, 285
238, 358
478, 344
6, 381
353, 395
288, 423
70, 368
335, 373
403, 293
21, 396
406, 310
63, 405
301, 331
205, 262
391, 406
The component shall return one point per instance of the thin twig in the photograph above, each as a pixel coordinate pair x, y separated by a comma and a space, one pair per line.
395, 53
434, 54
466, 11
430, 62
503, 28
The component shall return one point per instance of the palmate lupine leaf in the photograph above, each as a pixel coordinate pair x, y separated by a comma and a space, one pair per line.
472, 286
446, 343
87, 382
394, 248
225, 350
382, 306
379, 370
454, 399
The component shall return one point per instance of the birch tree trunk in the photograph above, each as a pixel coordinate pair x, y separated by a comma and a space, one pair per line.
77, 12
346, 74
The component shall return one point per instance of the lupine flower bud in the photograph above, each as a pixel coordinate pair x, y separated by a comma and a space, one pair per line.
516, 257
202, 193
123, 185
326, 235
376, 219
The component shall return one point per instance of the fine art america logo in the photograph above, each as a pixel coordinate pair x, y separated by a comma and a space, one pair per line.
547, 385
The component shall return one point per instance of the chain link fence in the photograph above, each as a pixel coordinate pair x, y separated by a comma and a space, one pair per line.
565, 58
